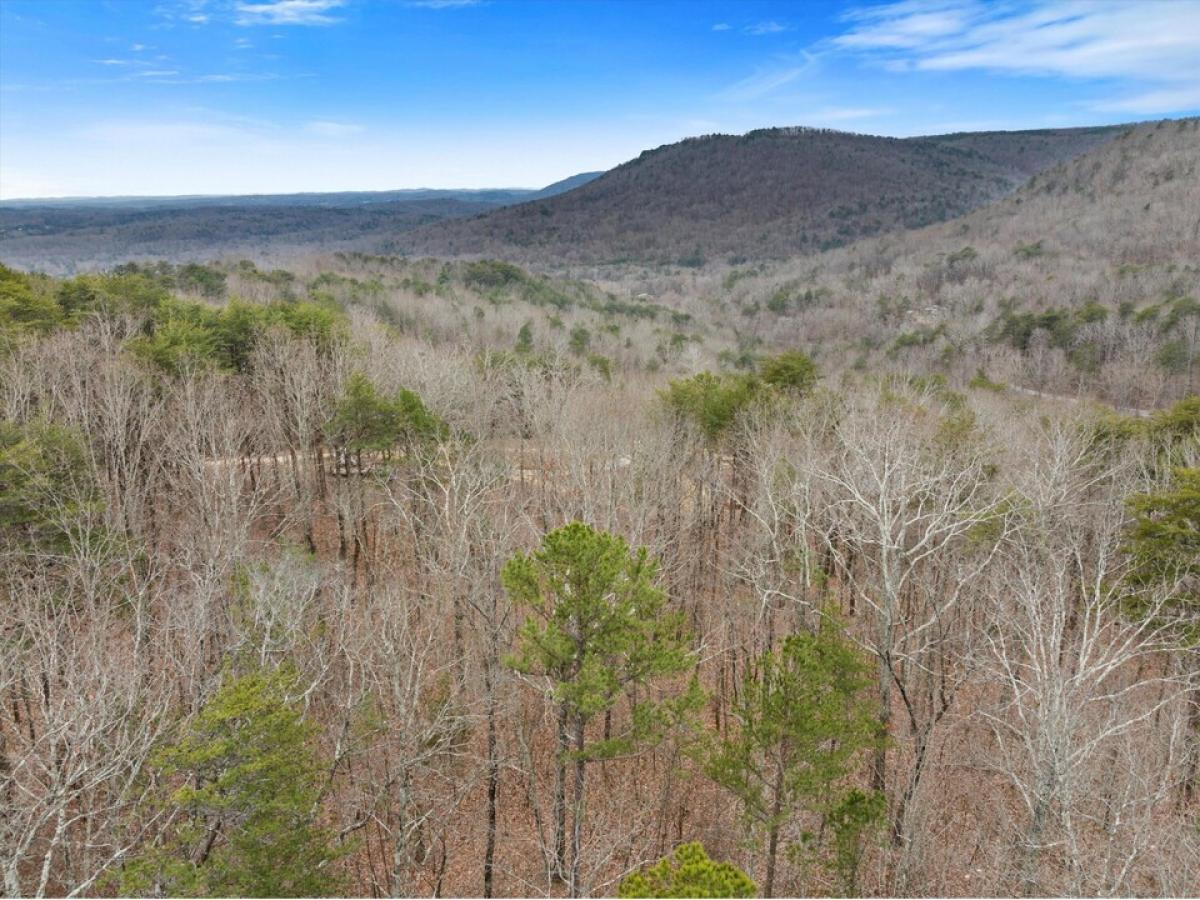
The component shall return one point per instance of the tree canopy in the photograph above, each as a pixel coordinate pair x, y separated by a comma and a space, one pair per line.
688, 872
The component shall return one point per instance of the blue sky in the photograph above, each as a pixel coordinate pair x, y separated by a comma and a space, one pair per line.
243, 96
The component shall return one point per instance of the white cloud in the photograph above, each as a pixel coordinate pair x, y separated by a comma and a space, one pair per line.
903, 25
194, 12
1153, 102
722, 26
1151, 43
768, 79
332, 129
771, 27
288, 12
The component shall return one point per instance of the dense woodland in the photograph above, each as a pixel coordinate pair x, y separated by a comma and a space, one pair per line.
874, 572
774, 193
513, 623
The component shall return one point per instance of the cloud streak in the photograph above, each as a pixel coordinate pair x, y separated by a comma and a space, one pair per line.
1152, 42
332, 129
771, 27
768, 79
288, 12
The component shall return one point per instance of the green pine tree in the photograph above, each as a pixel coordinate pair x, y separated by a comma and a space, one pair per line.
802, 721
1164, 547
245, 793
1164, 540
791, 372
45, 483
525, 338
596, 628
688, 872
367, 420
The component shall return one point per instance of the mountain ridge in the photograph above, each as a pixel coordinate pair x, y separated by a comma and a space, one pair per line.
767, 193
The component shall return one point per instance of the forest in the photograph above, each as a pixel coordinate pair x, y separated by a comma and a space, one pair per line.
385, 577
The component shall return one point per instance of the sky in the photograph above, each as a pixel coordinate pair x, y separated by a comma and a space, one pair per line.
124, 97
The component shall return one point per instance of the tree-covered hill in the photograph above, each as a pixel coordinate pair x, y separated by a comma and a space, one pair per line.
770, 193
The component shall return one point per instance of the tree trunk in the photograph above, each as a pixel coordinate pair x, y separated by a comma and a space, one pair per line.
560, 797
1031, 856
493, 779
898, 827
879, 765
773, 834
577, 809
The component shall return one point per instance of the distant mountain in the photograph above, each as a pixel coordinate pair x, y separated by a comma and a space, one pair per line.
69, 234
489, 196
567, 184
770, 193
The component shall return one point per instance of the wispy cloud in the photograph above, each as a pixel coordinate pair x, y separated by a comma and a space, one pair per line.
768, 79
771, 27
1152, 102
220, 78
1154, 43
194, 12
722, 26
288, 12
332, 129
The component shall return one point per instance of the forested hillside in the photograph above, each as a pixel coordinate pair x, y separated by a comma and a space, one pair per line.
1085, 282
767, 194
388, 577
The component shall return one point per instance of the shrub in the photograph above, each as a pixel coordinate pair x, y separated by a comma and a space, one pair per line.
688, 872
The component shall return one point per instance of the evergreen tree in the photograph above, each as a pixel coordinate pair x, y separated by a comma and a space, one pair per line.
596, 628
23, 308
801, 722
1164, 540
246, 799
367, 420
525, 338
45, 483
1164, 544
712, 402
793, 373
688, 872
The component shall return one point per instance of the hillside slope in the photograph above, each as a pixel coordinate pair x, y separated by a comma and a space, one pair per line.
769, 193
1085, 281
